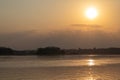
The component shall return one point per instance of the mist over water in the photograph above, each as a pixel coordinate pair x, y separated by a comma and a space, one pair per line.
69, 67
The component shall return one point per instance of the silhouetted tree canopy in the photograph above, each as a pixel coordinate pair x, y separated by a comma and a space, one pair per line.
49, 51
58, 51
6, 51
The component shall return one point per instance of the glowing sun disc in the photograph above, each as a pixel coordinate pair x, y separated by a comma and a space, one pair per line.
91, 13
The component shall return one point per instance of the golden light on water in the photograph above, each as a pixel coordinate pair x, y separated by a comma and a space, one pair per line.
91, 62
91, 78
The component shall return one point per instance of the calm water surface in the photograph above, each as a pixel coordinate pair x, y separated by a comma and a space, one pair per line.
70, 67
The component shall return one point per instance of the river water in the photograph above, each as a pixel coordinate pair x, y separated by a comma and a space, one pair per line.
69, 67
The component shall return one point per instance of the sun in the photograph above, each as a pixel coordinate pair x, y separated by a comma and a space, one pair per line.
91, 13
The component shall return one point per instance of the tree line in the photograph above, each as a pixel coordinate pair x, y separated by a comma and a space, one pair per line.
58, 51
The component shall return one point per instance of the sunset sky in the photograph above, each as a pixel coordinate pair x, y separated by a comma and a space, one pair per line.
29, 24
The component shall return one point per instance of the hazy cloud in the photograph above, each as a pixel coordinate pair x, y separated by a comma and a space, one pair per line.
85, 25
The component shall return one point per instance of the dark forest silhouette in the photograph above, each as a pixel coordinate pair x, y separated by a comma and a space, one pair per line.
6, 51
58, 51
50, 51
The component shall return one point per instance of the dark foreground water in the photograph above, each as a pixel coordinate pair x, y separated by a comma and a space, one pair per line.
72, 67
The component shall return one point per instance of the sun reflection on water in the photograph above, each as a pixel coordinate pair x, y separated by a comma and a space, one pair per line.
91, 62
91, 78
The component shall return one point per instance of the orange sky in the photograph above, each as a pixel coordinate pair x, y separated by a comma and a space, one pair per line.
37, 18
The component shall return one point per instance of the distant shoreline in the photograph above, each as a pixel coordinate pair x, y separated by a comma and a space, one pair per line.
53, 51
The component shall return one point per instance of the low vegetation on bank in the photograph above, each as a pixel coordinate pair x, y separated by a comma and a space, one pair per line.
58, 51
